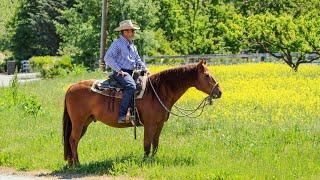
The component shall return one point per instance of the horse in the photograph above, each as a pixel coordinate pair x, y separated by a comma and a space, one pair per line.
83, 106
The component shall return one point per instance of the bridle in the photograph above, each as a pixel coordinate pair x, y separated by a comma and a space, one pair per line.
187, 112
210, 97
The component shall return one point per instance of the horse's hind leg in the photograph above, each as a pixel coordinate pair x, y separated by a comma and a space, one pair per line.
76, 133
84, 130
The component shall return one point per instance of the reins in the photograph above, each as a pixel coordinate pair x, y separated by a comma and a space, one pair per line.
207, 100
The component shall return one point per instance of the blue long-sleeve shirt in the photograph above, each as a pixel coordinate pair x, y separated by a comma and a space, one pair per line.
123, 54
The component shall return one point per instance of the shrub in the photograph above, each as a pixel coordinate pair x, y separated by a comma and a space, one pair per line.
31, 105
41, 62
51, 66
14, 86
2, 66
65, 62
55, 72
79, 69
13, 97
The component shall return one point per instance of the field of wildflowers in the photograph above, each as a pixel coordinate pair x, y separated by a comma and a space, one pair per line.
266, 125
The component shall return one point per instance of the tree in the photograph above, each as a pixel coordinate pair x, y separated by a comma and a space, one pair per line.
292, 38
190, 26
309, 29
226, 28
143, 12
33, 29
173, 24
81, 32
295, 8
197, 32
7, 11
199, 27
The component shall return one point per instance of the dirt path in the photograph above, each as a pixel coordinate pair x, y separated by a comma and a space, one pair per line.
11, 174
8, 173
22, 78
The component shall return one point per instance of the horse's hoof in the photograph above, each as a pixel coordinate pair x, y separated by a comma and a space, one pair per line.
70, 162
77, 164
148, 159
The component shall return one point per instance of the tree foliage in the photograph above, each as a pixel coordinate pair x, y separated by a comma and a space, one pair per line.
288, 30
33, 29
293, 7
82, 33
293, 38
7, 11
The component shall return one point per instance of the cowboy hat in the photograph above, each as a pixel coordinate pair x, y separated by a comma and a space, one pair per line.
126, 24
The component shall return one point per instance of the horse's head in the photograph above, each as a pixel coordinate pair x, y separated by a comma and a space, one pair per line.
206, 83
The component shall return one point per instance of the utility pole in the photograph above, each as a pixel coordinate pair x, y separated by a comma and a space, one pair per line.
105, 5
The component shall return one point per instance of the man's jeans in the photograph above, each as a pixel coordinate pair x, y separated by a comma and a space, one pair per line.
129, 88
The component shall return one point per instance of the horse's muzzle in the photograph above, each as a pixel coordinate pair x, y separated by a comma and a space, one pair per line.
217, 95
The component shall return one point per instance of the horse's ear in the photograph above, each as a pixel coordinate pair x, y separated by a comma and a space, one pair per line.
202, 61
200, 65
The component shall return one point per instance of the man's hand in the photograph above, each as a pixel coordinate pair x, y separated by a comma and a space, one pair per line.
145, 72
121, 73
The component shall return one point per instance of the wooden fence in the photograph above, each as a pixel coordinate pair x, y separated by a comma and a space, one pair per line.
212, 58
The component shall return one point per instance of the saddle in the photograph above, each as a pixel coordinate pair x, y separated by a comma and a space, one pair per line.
112, 88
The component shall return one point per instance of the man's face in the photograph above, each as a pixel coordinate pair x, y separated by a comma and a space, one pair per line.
129, 34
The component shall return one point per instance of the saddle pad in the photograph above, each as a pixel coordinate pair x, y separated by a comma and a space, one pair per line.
117, 92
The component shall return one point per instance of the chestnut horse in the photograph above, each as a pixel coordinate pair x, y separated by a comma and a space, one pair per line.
82, 106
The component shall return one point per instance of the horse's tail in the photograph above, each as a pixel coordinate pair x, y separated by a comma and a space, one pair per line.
67, 127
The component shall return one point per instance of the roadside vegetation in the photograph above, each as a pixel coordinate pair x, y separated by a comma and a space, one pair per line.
265, 126
287, 30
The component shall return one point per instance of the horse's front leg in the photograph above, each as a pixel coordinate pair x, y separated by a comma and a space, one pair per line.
155, 141
149, 132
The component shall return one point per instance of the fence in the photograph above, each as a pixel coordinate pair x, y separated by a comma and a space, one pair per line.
214, 58
25, 66
210, 58
11, 66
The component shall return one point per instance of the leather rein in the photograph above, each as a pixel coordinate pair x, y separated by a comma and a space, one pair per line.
188, 112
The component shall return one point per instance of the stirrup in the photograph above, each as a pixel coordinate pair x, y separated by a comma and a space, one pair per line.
129, 117
122, 120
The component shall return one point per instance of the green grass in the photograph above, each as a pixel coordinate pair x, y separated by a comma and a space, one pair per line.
265, 126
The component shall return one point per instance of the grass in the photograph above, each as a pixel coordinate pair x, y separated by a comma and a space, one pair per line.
265, 126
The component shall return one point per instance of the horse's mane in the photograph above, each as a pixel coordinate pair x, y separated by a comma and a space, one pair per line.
175, 78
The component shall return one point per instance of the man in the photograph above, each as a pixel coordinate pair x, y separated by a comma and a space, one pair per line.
122, 57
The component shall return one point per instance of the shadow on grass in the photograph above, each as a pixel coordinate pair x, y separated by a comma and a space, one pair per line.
117, 166
106, 167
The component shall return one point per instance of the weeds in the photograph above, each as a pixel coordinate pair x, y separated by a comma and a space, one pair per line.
265, 126
14, 97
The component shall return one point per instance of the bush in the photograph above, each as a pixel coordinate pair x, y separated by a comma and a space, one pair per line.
38, 63
13, 97
56, 71
65, 62
51, 66
31, 105
79, 69
14, 86
2, 66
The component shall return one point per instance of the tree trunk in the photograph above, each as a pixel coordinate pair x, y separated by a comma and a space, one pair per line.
105, 4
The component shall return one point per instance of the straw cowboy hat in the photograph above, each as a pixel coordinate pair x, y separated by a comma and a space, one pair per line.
126, 24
